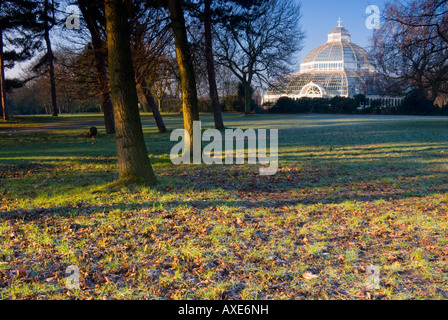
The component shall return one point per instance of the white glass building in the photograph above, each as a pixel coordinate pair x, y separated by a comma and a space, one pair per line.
338, 67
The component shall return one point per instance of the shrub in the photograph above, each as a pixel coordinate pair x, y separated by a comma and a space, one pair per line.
205, 105
360, 99
288, 105
320, 105
235, 103
415, 103
444, 110
172, 105
343, 105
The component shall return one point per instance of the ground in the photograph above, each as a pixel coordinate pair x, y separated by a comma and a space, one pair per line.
351, 192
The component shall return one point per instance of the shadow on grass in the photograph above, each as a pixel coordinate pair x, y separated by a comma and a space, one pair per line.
315, 171
289, 187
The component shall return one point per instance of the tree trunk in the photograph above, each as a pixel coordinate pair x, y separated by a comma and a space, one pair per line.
50, 60
133, 161
217, 114
103, 87
101, 69
247, 98
3, 108
151, 102
187, 74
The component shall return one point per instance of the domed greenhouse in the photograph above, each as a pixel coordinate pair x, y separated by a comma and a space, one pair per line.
338, 67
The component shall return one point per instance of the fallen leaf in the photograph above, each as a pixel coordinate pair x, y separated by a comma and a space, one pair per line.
21, 272
308, 275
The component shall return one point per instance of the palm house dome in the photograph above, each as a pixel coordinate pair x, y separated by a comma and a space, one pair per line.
338, 53
338, 67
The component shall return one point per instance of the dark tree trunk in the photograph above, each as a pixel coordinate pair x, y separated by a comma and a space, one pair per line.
103, 87
185, 62
247, 98
151, 102
50, 60
133, 161
3, 108
217, 114
86, 8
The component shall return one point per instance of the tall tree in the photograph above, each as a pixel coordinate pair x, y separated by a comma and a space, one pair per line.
151, 102
411, 47
161, 79
17, 21
258, 39
214, 97
133, 160
94, 18
186, 68
48, 22
3, 110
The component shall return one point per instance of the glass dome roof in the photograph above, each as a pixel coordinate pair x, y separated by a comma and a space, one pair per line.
341, 30
338, 53
336, 56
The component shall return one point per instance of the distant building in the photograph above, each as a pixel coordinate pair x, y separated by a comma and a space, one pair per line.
338, 67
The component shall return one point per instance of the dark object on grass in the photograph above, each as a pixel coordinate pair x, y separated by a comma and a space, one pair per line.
92, 132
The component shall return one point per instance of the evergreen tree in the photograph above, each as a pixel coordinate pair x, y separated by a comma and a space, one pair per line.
17, 44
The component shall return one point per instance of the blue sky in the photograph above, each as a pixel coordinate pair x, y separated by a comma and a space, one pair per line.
320, 16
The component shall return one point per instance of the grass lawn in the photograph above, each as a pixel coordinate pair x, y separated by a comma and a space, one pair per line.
350, 192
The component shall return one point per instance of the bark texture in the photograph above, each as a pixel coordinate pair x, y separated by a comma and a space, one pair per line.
3, 108
133, 161
185, 63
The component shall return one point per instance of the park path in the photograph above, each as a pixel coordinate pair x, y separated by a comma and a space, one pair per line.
12, 131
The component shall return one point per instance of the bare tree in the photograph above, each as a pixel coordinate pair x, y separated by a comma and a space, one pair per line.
258, 40
162, 78
150, 36
94, 18
411, 48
